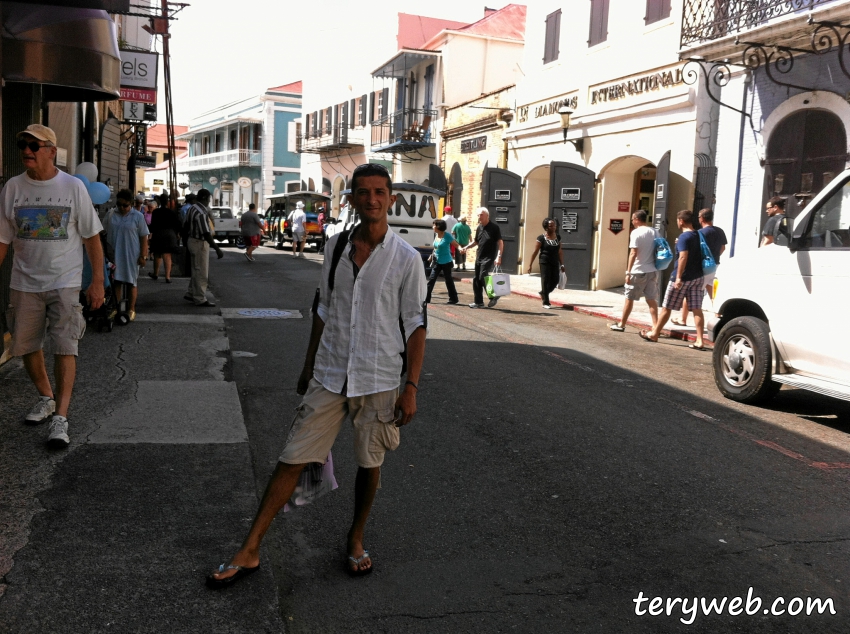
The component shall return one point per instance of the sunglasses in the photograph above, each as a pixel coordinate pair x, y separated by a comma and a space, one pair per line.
124, 205
34, 146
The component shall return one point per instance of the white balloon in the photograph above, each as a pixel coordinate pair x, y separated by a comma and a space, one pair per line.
89, 170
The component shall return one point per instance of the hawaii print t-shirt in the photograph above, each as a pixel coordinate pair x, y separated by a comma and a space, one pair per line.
46, 222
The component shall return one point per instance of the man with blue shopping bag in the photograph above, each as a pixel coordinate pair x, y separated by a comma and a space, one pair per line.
686, 281
641, 273
488, 240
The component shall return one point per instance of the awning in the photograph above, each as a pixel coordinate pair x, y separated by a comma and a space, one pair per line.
403, 62
72, 52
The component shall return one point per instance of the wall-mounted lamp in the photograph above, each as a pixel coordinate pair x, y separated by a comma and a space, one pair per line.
566, 113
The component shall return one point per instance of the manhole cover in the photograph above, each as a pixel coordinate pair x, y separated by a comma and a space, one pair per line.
263, 312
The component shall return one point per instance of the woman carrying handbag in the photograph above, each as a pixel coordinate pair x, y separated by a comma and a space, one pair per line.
551, 259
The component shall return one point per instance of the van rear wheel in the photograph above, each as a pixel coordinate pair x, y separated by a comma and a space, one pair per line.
742, 361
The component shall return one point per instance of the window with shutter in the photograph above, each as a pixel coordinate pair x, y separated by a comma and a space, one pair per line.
371, 106
351, 113
362, 111
656, 10
384, 101
551, 47
598, 22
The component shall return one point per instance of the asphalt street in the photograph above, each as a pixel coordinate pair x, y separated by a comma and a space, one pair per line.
556, 472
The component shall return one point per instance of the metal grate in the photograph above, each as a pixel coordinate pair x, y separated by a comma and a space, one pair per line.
704, 20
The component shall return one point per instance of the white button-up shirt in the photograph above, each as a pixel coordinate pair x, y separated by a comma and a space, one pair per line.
361, 345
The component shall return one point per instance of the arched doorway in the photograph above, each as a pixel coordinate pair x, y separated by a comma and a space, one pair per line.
338, 186
805, 151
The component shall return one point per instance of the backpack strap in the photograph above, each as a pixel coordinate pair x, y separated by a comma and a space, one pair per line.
339, 247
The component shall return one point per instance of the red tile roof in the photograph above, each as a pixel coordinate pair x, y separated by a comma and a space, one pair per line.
415, 30
294, 87
157, 136
507, 22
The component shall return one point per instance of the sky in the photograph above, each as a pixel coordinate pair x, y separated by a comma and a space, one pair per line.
225, 50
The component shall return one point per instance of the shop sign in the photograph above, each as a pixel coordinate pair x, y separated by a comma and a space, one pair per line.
473, 145
158, 181
138, 94
624, 205
407, 201
136, 111
502, 194
637, 86
141, 140
213, 180
546, 109
227, 187
138, 69
616, 225
572, 194
144, 161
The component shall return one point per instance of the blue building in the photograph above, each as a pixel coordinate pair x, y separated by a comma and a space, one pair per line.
246, 150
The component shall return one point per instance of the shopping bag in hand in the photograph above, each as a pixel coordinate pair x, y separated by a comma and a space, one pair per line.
562, 280
498, 284
316, 479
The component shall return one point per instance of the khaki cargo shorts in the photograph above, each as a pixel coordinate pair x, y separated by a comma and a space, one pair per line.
58, 312
319, 419
643, 284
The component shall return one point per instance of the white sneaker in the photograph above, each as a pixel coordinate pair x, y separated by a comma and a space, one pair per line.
57, 433
41, 411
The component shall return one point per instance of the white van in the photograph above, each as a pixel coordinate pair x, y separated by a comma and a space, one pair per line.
413, 214
780, 308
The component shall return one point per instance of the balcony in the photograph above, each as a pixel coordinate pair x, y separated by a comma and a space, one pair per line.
337, 137
707, 20
228, 158
404, 130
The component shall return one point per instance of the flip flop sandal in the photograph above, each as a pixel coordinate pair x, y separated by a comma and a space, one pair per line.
678, 322
358, 572
695, 347
643, 335
616, 327
217, 584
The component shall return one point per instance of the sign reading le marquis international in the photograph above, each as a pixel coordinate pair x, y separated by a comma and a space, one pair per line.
636, 86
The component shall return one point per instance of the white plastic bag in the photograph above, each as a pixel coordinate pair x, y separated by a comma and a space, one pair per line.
562, 280
316, 479
497, 284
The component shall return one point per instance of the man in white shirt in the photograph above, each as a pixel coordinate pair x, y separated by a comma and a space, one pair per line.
369, 303
298, 221
48, 216
641, 276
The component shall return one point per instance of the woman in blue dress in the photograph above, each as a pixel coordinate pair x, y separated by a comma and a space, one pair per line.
127, 236
443, 261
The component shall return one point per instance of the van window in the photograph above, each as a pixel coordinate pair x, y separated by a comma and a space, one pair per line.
829, 226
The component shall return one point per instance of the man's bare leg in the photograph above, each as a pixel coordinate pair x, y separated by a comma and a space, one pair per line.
365, 487
627, 310
34, 364
65, 369
699, 321
659, 324
685, 310
278, 491
653, 311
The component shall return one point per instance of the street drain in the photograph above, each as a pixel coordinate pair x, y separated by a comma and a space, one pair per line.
260, 313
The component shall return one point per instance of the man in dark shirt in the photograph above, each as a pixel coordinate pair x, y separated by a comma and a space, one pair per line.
715, 238
775, 215
686, 281
488, 239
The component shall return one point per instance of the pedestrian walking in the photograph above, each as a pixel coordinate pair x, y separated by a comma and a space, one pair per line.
686, 281
548, 245
450, 221
488, 240
252, 230
127, 237
462, 232
47, 268
715, 238
775, 209
200, 242
641, 274
164, 240
442, 261
298, 220
352, 371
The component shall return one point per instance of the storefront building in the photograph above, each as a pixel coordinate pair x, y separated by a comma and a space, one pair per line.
605, 124
784, 122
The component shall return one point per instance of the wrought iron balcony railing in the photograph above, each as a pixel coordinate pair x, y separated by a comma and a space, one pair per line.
228, 158
705, 20
335, 137
403, 130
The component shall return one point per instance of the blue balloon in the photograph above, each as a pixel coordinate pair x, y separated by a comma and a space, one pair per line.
86, 181
99, 193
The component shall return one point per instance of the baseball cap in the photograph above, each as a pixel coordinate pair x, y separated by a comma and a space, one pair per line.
40, 132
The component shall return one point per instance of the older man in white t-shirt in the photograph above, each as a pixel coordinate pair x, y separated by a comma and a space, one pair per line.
48, 216
298, 222
641, 275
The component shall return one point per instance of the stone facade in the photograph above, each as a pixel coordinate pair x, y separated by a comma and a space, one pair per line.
472, 138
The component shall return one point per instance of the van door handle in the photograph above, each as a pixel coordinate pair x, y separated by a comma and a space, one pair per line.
402, 230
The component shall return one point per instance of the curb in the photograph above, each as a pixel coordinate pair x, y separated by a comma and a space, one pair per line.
681, 335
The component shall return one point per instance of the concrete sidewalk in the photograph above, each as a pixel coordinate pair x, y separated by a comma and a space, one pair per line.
117, 532
607, 304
